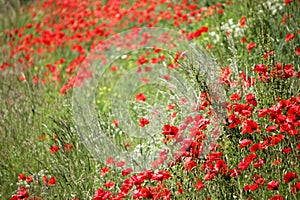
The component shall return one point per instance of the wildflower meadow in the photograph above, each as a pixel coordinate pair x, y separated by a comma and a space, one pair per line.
150, 99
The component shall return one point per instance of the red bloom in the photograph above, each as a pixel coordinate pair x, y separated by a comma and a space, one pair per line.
199, 185
170, 130
259, 163
235, 97
243, 40
22, 78
29, 179
244, 143
297, 52
297, 185
49, 182
288, 1
161, 176
249, 126
68, 147
253, 187
250, 46
110, 161
104, 171
114, 68
52, 181
287, 150
220, 167
276, 197
215, 156
256, 147
140, 97
22, 193
276, 139
263, 112
250, 98
260, 181
243, 21
21, 177
143, 122
244, 164
271, 128
189, 164
126, 171
121, 164
273, 185
288, 71
200, 31
115, 122
289, 37
234, 121
109, 184
54, 149
289, 176
234, 172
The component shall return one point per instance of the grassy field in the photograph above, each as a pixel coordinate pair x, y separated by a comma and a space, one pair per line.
96, 103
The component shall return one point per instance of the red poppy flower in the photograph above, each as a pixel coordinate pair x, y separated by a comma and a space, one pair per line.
260, 181
256, 147
244, 164
109, 184
121, 164
54, 149
21, 177
22, 193
220, 167
49, 182
297, 185
161, 176
276, 139
250, 98
199, 185
250, 46
234, 121
68, 147
234, 172
297, 52
52, 181
289, 37
235, 97
244, 143
289, 176
271, 128
126, 171
143, 122
273, 185
276, 197
114, 68
243, 40
263, 112
287, 150
110, 161
249, 126
140, 97
104, 171
253, 187
22, 78
170, 130
189, 164
29, 179
115, 122
243, 21
288, 1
